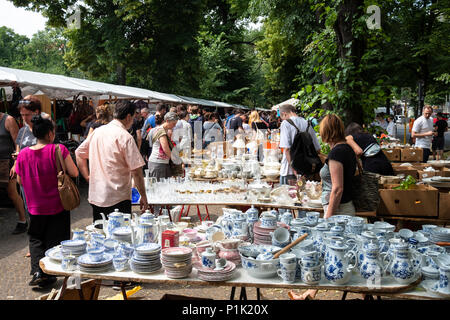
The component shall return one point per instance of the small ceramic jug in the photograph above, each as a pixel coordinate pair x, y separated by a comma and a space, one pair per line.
209, 258
252, 214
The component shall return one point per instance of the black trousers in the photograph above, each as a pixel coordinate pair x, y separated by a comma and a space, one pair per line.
124, 206
426, 154
45, 232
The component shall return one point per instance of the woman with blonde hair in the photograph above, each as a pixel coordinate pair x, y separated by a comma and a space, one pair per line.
254, 117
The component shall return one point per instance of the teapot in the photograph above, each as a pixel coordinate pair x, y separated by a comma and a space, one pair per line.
337, 268
146, 217
115, 220
372, 267
401, 265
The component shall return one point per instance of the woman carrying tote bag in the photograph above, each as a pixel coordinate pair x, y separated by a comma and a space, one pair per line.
36, 170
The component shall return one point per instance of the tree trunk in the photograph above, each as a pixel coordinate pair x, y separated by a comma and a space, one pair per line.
121, 74
350, 49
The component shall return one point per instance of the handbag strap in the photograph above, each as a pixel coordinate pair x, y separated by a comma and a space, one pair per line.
60, 165
359, 165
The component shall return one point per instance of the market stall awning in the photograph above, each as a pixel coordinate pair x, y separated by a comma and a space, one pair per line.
62, 87
292, 101
54, 86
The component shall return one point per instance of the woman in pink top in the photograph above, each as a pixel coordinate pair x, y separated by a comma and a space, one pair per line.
36, 172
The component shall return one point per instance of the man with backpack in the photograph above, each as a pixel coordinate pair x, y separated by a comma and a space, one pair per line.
293, 140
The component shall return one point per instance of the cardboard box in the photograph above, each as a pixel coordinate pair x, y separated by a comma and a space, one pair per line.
426, 174
442, 172
407, 171
444, 205
411, 155
415, 165
418, 201
392, 154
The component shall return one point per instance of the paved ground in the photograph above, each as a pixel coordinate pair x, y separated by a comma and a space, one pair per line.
15, 267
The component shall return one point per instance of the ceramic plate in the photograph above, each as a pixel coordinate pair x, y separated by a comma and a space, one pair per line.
145, 271
148, 247
177, 251
122, 231
86, 261
73, 243
96, 270
54, 253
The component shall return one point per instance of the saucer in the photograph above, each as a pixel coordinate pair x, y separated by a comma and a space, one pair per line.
54, 253
86, 261
148, 248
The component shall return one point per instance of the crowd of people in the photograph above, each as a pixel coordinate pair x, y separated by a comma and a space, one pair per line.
123, 138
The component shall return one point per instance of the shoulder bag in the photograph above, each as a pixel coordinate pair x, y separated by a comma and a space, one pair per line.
365, 194
68, 191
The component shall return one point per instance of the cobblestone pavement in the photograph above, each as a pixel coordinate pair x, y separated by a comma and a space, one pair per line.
15, 267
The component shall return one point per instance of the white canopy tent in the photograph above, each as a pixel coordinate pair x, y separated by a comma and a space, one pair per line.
292, 101
53, 86
63, 87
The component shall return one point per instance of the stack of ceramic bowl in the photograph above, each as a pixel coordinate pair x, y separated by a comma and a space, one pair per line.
73, 247
146, 258
177, 262
262, 235
122, 234
440, 235
208, 274
86, 264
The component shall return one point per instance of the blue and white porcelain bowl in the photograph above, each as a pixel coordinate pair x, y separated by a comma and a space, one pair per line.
96, 254
120, 262
249, 250
110, 245
260, 268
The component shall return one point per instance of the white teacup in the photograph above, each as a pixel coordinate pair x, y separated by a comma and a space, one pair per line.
68, 263
311, 275
288, 275
281, 235
288, 258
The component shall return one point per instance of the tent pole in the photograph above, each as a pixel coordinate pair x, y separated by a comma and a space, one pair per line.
54, 108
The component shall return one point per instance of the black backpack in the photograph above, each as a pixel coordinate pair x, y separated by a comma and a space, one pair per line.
304, 157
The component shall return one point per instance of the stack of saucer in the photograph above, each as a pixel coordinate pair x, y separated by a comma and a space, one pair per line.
146, 258
262, 235
208, 274
122, 234
177, 262
440, 235
85, 263
73, 247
